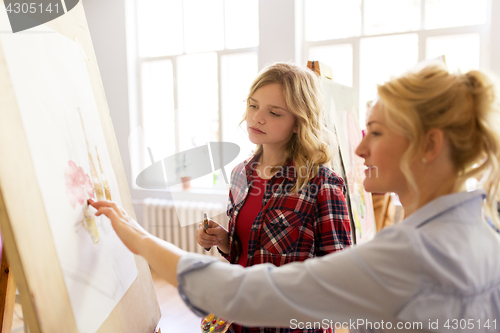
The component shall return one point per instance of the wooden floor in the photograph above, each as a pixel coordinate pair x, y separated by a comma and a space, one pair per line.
175, 315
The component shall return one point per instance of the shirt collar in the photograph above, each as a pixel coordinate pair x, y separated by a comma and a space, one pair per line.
443, 204
287, 170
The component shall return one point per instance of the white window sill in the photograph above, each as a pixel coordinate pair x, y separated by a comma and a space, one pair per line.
193, 194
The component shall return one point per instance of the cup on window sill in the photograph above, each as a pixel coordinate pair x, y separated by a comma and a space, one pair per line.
186, 183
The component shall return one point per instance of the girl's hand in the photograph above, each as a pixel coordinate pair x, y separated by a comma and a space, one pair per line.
127, 229
214, 235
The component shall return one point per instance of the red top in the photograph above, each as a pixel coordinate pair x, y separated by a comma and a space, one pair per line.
246, 217
248, 213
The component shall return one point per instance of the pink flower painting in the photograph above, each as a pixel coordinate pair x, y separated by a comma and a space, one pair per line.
78, 184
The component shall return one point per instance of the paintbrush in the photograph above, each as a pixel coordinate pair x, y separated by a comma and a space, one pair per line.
205, 226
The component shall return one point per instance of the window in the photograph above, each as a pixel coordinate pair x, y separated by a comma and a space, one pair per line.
197, 58
196, 61
365, 42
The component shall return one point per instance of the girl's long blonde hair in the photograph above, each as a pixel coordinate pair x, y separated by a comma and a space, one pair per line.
308, 148
465, 107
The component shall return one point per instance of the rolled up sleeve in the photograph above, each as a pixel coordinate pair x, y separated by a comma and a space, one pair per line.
332, 227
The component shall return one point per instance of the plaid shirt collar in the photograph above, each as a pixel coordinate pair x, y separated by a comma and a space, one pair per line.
287, 170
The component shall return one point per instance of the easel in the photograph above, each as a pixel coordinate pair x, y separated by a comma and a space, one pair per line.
325, 71
28, 243
320, 69
7, 295
8, 287
342, 122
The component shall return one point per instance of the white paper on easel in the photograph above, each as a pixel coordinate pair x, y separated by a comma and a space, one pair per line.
61, 121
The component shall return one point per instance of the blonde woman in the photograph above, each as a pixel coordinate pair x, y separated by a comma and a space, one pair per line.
285, 204
436, 271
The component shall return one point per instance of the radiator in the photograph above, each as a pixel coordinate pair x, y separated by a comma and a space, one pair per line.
177, 223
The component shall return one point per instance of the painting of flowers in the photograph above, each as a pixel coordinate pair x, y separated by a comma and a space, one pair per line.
79, 188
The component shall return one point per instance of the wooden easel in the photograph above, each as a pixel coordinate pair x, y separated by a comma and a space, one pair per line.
7, 295
321, 69
28, 243
383, 204
325, 71
8, 291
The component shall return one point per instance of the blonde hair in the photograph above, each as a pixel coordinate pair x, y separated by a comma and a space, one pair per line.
464, 107
308, 148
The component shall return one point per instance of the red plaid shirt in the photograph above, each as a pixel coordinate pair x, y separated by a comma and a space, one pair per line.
318, 212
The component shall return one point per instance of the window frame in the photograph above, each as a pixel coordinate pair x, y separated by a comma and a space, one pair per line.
139, 115
483, 30
173, 59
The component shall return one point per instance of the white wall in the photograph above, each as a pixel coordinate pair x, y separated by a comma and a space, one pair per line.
107, 25
106, 20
